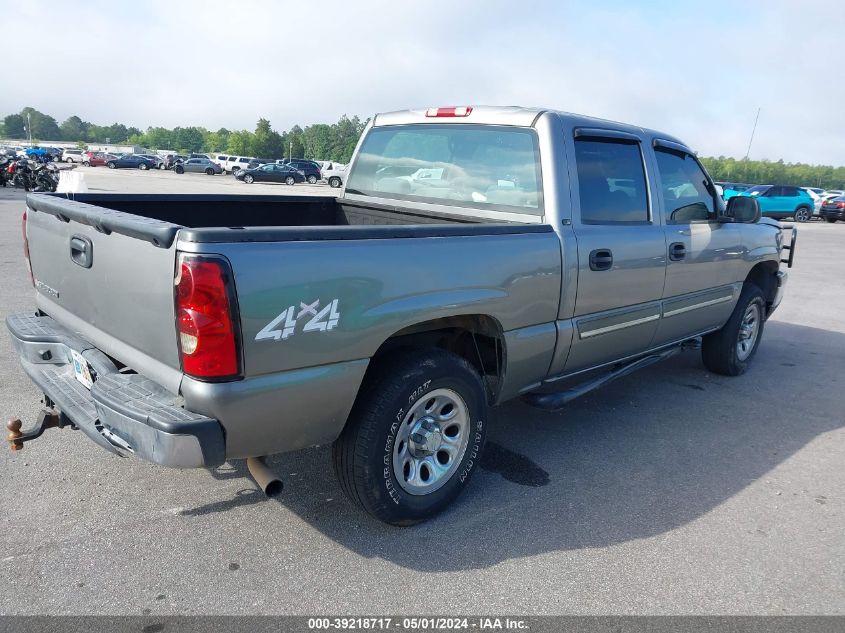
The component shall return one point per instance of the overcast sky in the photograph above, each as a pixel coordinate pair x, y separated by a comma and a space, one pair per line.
698, 70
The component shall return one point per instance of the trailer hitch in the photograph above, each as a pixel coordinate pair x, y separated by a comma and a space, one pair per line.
47, 419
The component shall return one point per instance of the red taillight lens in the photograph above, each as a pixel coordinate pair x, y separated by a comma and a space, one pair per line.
449, 112
840, 205
26, 249
206, 321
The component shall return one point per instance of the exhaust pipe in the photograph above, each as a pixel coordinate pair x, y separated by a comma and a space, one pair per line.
264, 477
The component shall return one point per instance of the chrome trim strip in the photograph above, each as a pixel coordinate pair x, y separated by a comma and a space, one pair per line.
695, 306
618, 326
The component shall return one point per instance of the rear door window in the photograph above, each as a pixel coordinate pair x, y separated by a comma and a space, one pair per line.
611, 181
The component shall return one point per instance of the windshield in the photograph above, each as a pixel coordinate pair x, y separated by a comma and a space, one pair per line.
478, 166
757, 190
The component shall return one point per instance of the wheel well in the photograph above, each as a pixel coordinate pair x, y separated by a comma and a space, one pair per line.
763, 276
477, 338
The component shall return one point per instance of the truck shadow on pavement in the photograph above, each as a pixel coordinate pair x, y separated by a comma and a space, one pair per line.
638, 458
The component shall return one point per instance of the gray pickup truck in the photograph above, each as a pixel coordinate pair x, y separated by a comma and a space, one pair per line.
474, 255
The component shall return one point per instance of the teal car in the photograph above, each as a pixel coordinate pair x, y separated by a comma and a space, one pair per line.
782, 201
731, 189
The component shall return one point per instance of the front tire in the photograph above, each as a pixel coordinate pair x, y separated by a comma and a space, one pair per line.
803, 214
142, 167
730, 350
248, 179
179, 169
112, 166
209, 171
86, 164
831, 220
290, 180
415, 436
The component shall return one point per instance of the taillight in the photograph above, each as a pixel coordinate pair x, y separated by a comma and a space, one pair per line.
840, 205
449, 112
206, 317
26, 248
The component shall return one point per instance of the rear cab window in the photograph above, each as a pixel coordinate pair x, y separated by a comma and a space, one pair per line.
490, 169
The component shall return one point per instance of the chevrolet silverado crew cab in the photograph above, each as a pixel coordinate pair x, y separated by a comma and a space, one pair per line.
474, 255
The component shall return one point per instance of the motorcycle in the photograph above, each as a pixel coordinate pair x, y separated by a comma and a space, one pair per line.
5, 177
45, 177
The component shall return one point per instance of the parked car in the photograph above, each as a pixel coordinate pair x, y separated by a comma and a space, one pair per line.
72, 156
782, 201
334, 174
833, 209
130, 161
730, 189
198, 165
271, 172
309, 168
171, 160
236, 163
297, 326
817, 199
158, 161
257, 162
221, 159
97, 159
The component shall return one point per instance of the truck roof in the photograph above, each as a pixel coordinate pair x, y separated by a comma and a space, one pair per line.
511, 115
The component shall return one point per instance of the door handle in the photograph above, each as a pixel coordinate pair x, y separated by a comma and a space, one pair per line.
601, 259
677, 251
81, 251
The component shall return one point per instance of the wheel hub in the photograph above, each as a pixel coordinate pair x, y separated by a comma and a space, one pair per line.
431, 441
426, 438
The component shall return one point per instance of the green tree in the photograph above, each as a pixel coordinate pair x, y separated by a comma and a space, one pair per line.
14, 125
74, 129
189, 139
239, 143
44, 127
266, 143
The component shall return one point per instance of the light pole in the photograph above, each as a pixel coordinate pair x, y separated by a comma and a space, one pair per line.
29, 126
754, 129
290, 150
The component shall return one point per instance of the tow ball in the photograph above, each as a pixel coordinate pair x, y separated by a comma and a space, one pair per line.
47, 419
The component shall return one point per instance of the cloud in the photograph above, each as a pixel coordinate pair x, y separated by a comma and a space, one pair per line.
696, 70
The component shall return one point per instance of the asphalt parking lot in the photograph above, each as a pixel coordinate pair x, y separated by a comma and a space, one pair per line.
671, 491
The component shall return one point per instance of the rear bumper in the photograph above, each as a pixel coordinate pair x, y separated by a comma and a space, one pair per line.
126, 414
837, 214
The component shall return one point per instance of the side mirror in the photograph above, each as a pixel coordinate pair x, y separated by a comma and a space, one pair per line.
744, 209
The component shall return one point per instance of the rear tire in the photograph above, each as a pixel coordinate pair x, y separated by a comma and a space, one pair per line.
312, 179
209, 171
334, 182
290, 180
803, 214
831, 220
86, 164
415, 436
179, 169
730, 350
143, 166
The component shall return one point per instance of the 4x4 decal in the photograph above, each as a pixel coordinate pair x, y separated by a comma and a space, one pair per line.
284, 325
